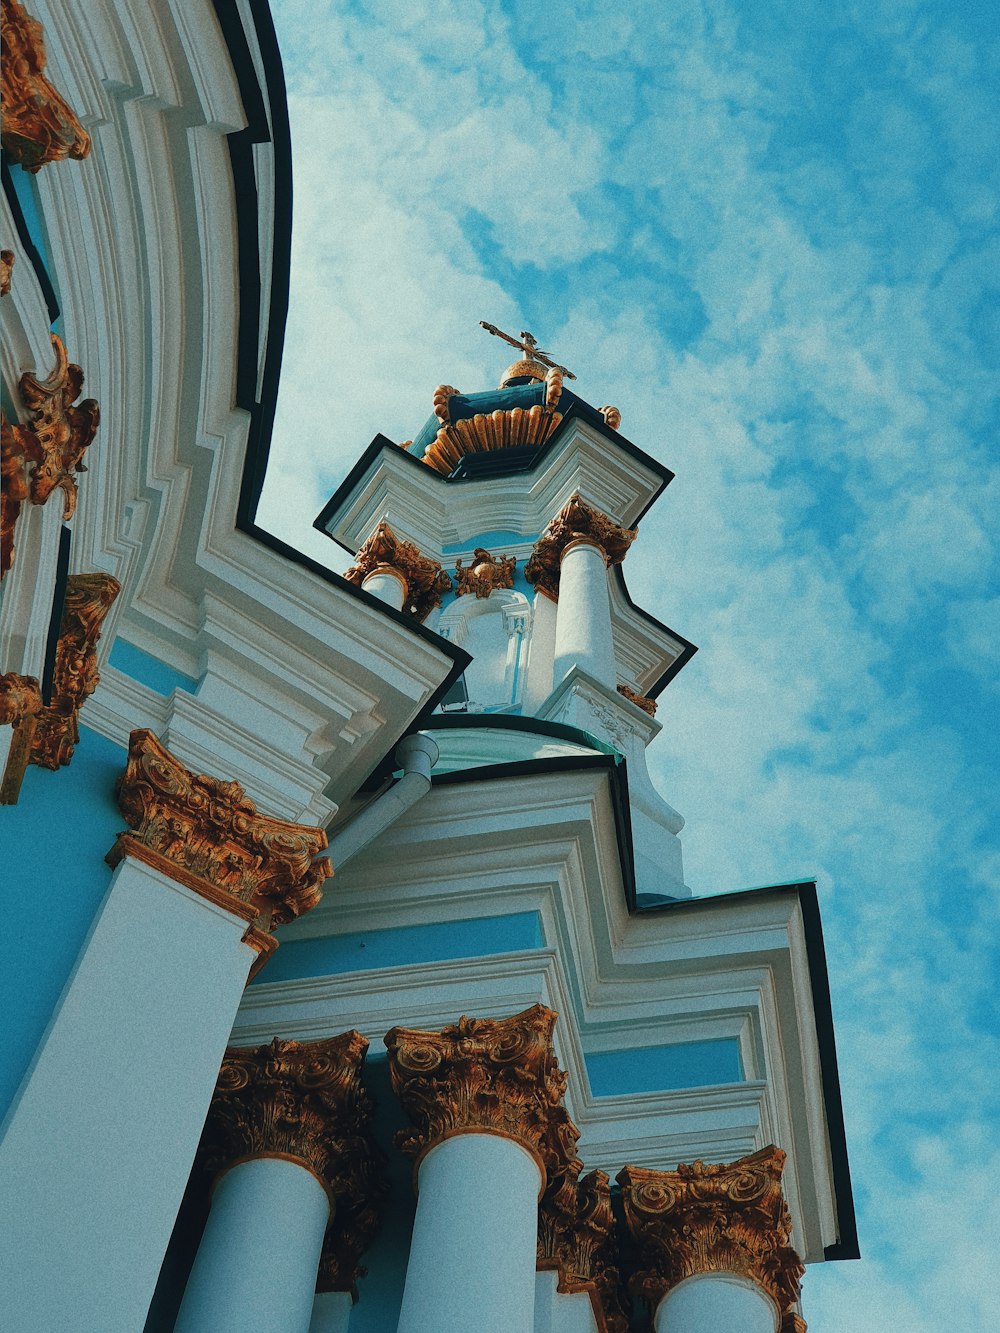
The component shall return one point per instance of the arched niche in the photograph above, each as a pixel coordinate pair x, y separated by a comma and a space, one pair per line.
495, 630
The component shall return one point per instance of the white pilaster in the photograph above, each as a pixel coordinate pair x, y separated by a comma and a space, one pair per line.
98, 1145
387, 584
472, 1255
255, 1270
583, 618
716, 1303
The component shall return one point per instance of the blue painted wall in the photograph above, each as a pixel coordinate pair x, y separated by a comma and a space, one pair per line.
57, 835
695, 1064
149, 670
403, 946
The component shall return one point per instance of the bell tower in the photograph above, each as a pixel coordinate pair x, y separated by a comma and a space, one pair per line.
504, 525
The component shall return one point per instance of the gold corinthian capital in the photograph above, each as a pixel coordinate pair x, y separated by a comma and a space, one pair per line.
493, 1076
576, 521
730, 1218
305, 1102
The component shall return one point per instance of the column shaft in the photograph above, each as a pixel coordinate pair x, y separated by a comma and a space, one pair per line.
472, 1255
98, 1146
255, 1271
387, 584
583, 620
716, 1303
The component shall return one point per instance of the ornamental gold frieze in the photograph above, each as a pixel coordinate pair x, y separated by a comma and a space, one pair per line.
89, 598
63, 431
496, 1076
38, 124
486, 574
730, 1218
425, 580
576, 521
305, 1101
501, 429
576, 1237
642, 701
208, 834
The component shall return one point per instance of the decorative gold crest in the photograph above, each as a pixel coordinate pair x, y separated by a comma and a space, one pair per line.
642, 701
576, 521
487, 573
38, 124
64, 432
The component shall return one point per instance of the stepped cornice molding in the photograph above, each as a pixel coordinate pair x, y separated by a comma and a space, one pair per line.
577, 521
208, 834
39, 126
485, 1075
89, 598
703, 1218
306, 1102
576, 1237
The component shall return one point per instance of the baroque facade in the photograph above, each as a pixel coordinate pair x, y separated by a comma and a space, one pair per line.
353, 982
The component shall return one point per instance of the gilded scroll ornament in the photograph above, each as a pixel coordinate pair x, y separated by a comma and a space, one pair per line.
89, 598
63, 431
19, 447
730, 1218
305, 1100
487, 573
612, 416
38, 124
20, 697
425, 579
576, 1236
6, 266
642, 701
576, 521
208, 834
496, 1076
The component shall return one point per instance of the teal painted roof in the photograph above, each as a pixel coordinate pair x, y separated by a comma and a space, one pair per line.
461, 406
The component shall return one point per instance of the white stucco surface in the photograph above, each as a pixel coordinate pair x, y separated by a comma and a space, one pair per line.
716, 1303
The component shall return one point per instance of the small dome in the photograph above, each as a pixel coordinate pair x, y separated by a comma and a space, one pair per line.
522, 371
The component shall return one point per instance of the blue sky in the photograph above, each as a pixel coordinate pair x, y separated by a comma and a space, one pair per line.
768, 233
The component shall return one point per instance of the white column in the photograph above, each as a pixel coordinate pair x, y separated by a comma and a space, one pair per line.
472, 1254
255, 1270
541, 648
387, 584
716, 1303
583, 618
331, 1312
98, 1145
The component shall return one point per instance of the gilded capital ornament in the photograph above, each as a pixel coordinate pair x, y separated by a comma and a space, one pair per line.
20, 704
642, 701
730, 1218
486, 1075
89, 598
425, 579
6, 266
305, 1101
19, 447
208, 835
485, 574
576, 1237
38, 124
63, 431
576, 521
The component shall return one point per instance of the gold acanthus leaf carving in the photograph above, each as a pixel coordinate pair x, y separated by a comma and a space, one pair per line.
576, 521
576, 1236
426, 581
486, 573
210, 831
6, 266
19, 447
89, 598
495, 1075
501, 429
19, 697
730, 1218
38, 124
642, 701
63, 431
306, 1100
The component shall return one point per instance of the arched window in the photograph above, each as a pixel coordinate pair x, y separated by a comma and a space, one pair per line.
495, 630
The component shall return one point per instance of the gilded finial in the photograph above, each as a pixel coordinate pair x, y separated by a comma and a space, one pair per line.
535, 364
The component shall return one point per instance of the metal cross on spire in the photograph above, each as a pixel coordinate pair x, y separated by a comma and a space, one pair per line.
528, 344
